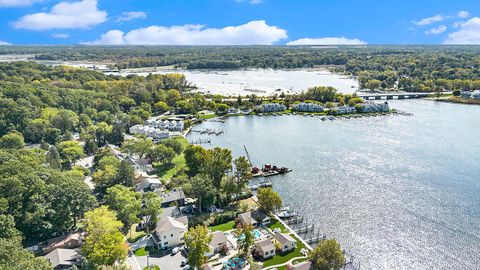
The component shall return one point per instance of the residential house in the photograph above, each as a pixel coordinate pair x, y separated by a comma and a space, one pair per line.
169, 232
233, 111
68, 241
151, 183
255, 218
140, 164
173, 197
287, 242
61, 258
218, 243
264, 249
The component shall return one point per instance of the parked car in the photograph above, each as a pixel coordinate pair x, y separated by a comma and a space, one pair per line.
186, 267
175, 250
184, 263
212, 209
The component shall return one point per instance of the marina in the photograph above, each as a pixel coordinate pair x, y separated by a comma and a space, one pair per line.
379, 172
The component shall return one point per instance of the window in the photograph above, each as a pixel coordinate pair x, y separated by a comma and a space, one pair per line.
171, 235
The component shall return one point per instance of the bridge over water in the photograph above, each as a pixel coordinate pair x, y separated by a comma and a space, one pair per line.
379, 96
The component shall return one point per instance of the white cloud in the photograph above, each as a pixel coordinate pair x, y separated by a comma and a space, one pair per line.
2, 43
253, 2
251, 33
65, 15
60, 35
430, 20
436, 30
327, 41
18, 3
468, 33
128, 16
463, 14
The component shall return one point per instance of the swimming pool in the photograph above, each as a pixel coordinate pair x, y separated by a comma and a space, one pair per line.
256, 234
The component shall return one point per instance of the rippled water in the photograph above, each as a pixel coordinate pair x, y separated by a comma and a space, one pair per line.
399, 192
234, 82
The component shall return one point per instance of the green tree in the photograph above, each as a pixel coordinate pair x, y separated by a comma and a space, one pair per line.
125, 174
69, 152
175, 144
197, 240
195, 158
201, 187
14, 257
219, 162
268, 199
243, 171
247, 240
161, 107
7, 227
151, 208
373, 84
327, 256
126, 203
12, 140
104, 243
162, 154
53, 157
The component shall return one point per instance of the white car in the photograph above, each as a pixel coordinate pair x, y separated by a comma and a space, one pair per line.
186, 267
175, 250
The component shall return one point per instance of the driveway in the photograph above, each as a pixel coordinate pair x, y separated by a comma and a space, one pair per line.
166, 261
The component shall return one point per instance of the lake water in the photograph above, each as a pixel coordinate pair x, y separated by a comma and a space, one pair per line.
399, 192
267, 81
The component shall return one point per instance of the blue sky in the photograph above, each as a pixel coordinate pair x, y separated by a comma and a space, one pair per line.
193, 22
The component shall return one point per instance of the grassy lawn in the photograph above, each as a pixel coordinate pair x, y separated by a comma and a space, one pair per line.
283, 258
140, 252
208, 116
178, 163
223, 227
135, 235
274, 225
152, 267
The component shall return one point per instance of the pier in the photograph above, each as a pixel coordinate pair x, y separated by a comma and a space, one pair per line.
208, 131
201, 141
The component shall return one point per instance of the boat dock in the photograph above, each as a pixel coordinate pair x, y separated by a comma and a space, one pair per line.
208, 131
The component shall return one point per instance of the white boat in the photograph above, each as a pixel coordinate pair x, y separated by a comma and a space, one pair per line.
287, 214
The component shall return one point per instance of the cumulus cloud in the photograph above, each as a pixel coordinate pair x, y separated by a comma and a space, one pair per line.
251, 33
436, 30
327, 41
463, 14
2, 43
18, 3
430, 20
60, 35
468, 33
131, 15
65, 15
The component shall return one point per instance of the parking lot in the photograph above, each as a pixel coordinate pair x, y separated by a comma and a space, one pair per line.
164, 260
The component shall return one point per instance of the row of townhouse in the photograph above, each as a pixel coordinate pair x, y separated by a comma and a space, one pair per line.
271, 107
308, 107
372, 107
175, 125
470, 94
150, 131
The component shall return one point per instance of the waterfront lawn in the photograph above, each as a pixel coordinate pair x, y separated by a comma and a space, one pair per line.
223, 227
285, 257
208, 116
276, 224
178, 163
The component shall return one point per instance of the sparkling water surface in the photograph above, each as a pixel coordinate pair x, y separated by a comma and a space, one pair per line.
399, 192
